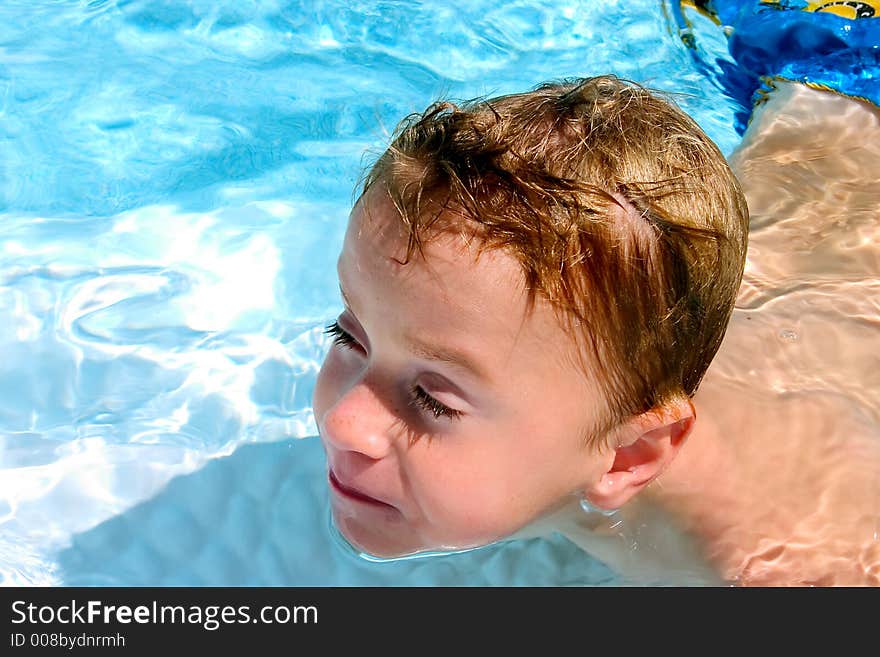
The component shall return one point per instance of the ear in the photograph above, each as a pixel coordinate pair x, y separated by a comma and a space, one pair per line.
644, 447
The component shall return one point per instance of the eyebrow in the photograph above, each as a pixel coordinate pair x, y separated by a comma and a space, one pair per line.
450, 356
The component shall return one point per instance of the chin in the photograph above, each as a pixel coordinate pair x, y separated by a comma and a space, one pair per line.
385, 543
374, 543
377, 541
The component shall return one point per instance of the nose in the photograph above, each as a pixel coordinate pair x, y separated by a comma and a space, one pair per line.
358, 422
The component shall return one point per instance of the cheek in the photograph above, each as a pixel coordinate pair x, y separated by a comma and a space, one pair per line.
527, 468
481, 494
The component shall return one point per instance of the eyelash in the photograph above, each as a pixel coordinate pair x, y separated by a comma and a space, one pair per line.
420, 398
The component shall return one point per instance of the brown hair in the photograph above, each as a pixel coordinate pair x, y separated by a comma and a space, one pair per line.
619, 209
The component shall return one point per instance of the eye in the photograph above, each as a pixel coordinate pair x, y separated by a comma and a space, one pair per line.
425, 401
420, 398
340, 335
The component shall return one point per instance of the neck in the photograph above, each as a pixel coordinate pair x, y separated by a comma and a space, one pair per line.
704, 477
705, 491
676, 530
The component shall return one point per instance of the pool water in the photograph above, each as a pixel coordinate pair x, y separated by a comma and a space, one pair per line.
175, 180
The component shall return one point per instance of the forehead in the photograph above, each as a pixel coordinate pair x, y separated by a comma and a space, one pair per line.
458, 294
455, 264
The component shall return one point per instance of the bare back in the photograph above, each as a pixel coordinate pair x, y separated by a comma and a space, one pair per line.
779, 483
793, 397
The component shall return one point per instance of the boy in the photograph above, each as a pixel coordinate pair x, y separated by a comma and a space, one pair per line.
534, 288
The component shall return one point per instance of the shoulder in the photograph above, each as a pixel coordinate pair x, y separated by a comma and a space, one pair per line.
808, 467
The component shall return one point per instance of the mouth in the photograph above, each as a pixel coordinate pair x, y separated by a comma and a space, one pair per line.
351, 493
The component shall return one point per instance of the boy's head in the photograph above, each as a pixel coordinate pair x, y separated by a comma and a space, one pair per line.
583, 243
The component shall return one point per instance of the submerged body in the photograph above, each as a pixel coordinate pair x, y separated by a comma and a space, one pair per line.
779, 483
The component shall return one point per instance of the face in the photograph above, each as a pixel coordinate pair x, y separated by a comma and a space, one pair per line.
450, 415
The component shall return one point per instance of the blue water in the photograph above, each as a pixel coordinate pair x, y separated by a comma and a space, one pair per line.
175, 179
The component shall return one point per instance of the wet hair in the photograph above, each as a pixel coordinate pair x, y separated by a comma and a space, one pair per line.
620, 210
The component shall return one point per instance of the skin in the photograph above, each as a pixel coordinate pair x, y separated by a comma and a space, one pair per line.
779, 484
789, 491
514, 454
785, 492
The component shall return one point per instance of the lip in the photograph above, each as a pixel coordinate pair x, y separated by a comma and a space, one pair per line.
352, 493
